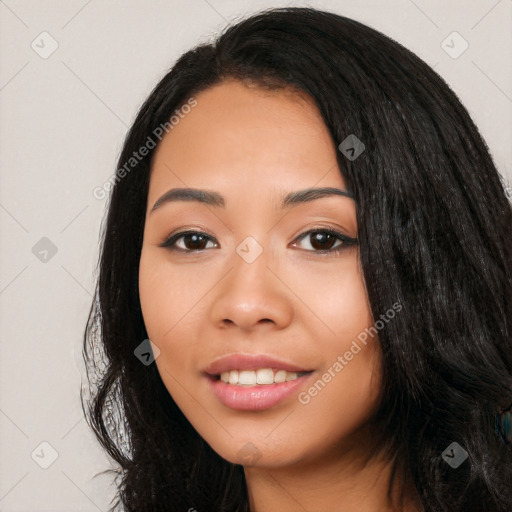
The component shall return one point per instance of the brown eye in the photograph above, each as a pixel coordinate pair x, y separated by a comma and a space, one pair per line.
326, 241
322, 241
191, 241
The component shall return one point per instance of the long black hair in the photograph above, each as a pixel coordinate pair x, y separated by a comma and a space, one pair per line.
434, 233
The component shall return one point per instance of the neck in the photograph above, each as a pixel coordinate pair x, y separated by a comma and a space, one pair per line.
342, 482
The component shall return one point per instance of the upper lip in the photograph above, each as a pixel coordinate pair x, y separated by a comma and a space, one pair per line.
250, 362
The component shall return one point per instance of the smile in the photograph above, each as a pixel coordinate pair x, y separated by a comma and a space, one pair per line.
256, 396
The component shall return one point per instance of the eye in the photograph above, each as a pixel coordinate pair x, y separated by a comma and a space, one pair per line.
322, 241
327, 241
192, 241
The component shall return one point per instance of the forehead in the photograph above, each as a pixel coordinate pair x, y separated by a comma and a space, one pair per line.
246, 139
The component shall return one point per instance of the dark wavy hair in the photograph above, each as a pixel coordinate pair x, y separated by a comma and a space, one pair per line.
434, 233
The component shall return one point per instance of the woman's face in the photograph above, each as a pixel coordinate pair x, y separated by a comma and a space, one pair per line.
261, 291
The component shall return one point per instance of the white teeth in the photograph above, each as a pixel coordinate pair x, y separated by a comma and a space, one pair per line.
246, 378
233, 377
263, 376
280, 376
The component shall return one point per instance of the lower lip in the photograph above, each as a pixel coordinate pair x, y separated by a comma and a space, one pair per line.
254, 398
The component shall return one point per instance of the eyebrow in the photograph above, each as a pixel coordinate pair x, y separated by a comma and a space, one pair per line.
213, 198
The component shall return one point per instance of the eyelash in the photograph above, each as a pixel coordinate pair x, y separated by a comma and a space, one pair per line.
347, 241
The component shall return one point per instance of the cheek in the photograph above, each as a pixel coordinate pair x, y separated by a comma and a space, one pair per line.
164, 296
337, 297
343, 395
170, 302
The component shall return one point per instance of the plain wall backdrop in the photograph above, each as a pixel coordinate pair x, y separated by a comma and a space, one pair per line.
73, 75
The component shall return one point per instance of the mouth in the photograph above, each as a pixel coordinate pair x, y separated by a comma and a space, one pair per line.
254, 382
252, 390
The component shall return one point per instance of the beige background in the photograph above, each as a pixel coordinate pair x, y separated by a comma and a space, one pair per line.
63, 120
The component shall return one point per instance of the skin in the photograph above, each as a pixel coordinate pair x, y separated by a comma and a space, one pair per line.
253, 147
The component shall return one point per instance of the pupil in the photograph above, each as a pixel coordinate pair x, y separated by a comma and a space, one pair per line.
320, 237
196, 239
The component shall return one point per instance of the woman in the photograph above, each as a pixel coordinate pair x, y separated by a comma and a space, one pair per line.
309, 228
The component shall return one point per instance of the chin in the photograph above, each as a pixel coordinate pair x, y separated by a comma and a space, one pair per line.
259, 452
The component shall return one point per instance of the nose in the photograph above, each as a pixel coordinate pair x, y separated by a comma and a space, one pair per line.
252, 295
